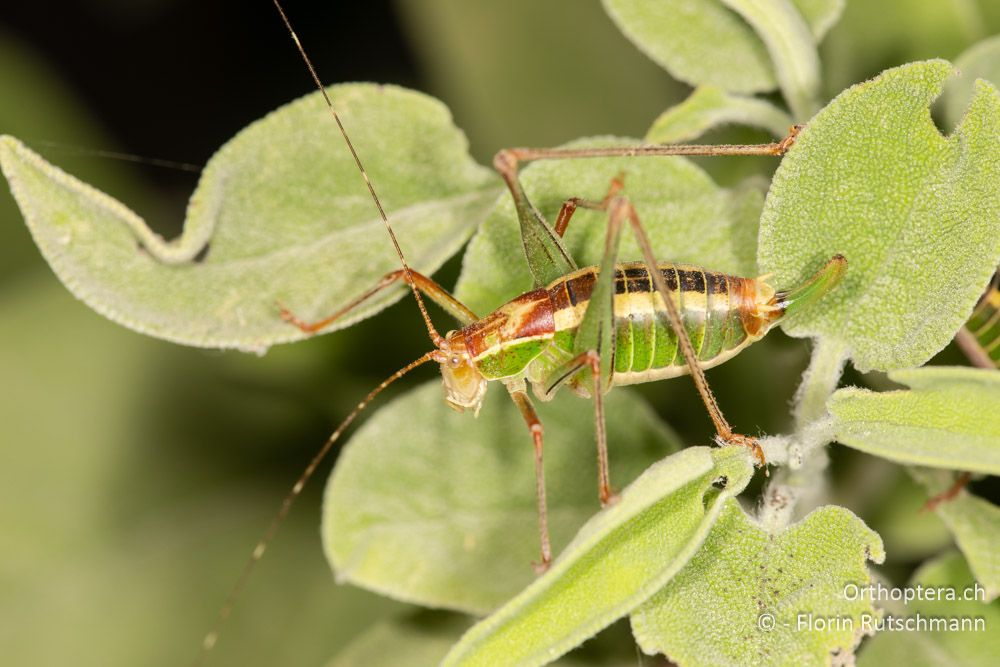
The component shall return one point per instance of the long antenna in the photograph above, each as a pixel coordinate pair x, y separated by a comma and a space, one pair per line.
71, 149
210, 639
435, 336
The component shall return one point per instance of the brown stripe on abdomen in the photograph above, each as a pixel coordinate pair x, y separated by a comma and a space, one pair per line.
581, 286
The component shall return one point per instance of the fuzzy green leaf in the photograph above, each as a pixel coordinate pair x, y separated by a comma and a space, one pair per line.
969, 647
617, 560
682, 36
791, 47
431, 506
747, 597
916, 214
982, 61
709, 107
948, 419
687, 216
974, 522
280, 214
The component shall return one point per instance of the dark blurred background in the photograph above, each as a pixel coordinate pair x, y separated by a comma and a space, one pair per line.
136, 475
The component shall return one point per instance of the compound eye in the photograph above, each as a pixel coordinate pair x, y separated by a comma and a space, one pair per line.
453, 361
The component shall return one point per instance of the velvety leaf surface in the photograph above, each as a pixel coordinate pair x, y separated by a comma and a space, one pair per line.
687, 216
617, 560
709, 107
939, 647
916, 214
790, 44
683, 36
46, 108
948, 419
280, 214
747, 596
435, 507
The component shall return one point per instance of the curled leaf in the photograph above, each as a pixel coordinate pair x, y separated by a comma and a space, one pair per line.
617, 560
280, 215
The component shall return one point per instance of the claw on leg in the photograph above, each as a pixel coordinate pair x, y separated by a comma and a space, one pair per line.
290, 317
747, 441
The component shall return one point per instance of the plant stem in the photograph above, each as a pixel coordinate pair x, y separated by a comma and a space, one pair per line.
802, 483
819, 381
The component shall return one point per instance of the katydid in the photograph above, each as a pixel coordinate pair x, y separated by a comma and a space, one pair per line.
587, 328
980, 337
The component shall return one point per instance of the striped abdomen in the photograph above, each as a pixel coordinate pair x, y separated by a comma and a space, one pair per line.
985, 323
722, 314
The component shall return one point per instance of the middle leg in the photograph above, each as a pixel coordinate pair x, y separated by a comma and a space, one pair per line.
596, 329
534, 424
622, 210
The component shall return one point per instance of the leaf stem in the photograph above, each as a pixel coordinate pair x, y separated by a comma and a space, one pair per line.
801, 483
819, 381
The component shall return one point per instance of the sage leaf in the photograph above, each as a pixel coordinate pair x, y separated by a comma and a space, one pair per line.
709, 107
280, 215
682, 36
438, 508
687, 217
753, 598
617, 560
948, 419
791, 47
916, 214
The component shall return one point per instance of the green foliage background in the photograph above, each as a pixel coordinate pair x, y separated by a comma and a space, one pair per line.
136, 474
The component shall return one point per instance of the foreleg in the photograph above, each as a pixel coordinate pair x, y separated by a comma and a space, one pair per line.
434, 292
